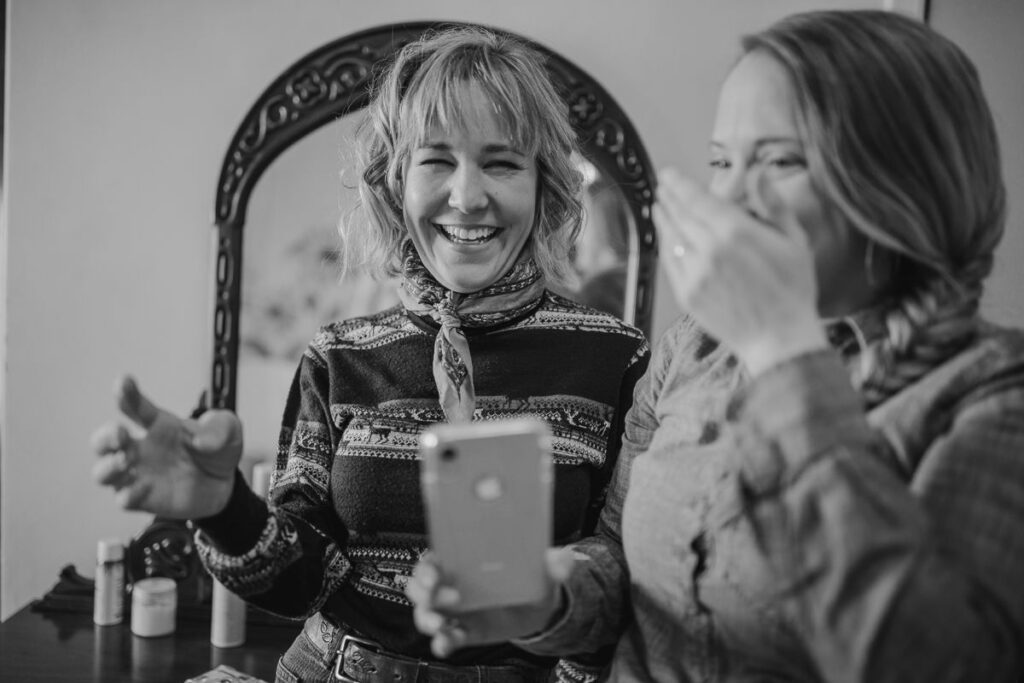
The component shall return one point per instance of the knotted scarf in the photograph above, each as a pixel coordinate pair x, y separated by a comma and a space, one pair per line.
512, 296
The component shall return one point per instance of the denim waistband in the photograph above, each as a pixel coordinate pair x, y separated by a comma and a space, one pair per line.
369, 663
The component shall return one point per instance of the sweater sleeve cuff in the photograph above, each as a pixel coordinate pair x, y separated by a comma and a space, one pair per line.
795, 412
237, 528
559, 621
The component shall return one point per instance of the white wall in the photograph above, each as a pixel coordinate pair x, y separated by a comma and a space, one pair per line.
989, 31
118, 115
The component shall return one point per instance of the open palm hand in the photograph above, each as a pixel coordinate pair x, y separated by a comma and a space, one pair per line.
169, 466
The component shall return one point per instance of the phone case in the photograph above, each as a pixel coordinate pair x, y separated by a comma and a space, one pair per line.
487, 488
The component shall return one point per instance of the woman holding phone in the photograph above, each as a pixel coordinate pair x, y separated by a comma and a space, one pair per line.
822, 475
469, 194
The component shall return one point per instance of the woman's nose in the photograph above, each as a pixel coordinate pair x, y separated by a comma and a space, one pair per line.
467, 192
731, 184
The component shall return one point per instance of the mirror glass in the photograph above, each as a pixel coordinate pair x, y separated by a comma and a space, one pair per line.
290, 283
605, 258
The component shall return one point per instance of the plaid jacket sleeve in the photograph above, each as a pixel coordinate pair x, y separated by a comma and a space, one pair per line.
596, 603
889, 579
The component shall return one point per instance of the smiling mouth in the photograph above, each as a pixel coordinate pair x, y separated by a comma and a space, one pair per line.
462, 234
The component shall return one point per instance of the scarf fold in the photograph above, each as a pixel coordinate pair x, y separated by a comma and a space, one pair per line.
512, 296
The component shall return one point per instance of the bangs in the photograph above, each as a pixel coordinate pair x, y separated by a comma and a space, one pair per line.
437, 100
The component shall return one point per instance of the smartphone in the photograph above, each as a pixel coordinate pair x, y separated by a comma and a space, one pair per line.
487, 488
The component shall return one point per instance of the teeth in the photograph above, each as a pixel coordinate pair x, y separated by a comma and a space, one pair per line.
461, 233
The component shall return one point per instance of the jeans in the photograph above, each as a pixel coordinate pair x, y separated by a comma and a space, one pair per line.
307, 662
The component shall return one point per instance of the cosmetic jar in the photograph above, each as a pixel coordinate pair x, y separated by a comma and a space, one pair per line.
154, 607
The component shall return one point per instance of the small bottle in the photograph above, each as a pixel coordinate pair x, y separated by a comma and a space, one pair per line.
227, 618
227, 610
108, 599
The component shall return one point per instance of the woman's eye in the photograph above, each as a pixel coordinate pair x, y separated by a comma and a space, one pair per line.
435, 161
505, 164
785, 162
719, 163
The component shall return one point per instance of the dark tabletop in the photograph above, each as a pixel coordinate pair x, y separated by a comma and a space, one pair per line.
38, 646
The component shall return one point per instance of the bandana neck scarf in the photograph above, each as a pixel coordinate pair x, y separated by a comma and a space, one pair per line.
514, 294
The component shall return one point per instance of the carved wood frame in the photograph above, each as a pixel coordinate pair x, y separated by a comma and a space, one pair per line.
334, 80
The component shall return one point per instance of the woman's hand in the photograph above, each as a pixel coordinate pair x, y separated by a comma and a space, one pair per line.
746, 275
436, 608
172, 467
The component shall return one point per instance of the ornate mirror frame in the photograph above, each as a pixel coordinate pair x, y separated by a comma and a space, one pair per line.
334, 80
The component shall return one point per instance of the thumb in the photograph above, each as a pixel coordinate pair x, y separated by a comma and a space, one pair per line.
560, 562
133, 404
217, 430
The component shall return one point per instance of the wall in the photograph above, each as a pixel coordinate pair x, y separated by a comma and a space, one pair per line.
989, 31
118, 114
3, 267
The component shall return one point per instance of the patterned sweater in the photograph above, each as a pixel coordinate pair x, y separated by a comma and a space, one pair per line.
345, 521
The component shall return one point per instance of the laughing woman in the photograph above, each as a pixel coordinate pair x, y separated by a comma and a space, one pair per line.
468, 192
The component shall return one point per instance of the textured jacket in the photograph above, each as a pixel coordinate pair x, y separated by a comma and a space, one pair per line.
775, 530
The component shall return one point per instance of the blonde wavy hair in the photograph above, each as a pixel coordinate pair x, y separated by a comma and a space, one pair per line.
422, 88
901, 140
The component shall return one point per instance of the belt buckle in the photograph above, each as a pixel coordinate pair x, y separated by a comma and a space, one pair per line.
339, 662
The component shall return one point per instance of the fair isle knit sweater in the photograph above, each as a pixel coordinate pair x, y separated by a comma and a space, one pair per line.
345, 523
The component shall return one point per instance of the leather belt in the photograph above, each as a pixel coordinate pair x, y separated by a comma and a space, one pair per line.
358, 660
362, 661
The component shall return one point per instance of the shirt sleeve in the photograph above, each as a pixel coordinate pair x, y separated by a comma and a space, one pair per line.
286, 555
888, 579
584, 666
595, 600
601, 480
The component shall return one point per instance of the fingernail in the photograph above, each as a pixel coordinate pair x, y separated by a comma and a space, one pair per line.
435, 622
459, 636
447, 597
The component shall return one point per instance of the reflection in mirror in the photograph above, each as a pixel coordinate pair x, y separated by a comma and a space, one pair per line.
290, 274
289, 267
605, 257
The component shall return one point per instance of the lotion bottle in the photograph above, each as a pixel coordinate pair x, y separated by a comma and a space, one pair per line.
108, 599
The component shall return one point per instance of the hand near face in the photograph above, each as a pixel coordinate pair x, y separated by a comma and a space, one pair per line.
746, 275
436, 608
172, 467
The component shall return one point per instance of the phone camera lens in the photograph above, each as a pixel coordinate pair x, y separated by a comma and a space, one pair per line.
448, 454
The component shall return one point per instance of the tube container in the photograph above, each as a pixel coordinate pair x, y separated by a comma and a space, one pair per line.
227, 618
108, 598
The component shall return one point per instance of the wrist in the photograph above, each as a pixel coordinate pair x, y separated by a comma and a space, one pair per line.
220, 499
236, 528
218, 494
